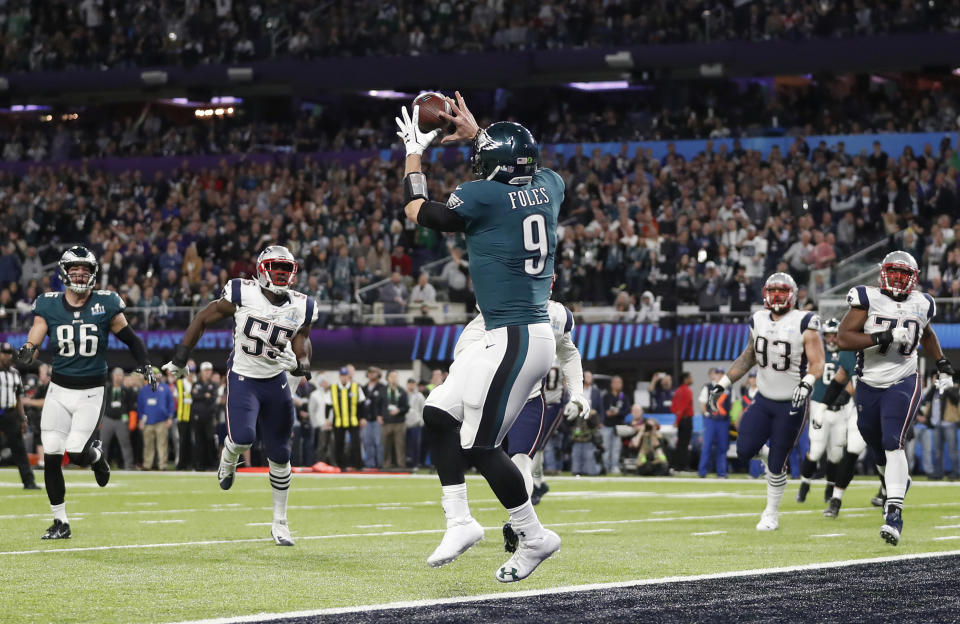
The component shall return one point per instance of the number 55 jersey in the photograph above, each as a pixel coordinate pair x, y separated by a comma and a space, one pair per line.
881, 367
778, 344
263, 329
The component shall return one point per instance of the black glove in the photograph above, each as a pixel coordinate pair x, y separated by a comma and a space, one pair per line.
147, 371
302, 370
713, 399
26, 353
883, 338
944, 366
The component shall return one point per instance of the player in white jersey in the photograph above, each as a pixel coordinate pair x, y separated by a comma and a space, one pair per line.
540, 415
271, 339
785, 344
884, 326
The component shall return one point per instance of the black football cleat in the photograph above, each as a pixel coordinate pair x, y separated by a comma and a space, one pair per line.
833, 510
828, 493
57, 530
802, 492
538, 493
510, 539
31, 486
101, 469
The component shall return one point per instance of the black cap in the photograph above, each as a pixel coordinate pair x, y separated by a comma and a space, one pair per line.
6, 347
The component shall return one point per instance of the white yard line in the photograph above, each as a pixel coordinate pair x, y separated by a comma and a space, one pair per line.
532, 593
709, 533
594, 531
161, 521
947, 526
829, 535
946, 537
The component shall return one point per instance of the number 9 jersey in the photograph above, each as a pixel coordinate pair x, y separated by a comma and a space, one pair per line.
778, 344
263, 329
79, 335
881, 367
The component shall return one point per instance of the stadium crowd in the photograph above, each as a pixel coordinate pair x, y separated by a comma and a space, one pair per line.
105, 34
849, 105
704, 231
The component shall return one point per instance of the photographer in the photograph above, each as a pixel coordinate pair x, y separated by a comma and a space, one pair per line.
584, 439
651, 460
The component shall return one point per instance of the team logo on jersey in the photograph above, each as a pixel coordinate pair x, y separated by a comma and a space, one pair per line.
76, 315
454, 201
97, 310
291, 316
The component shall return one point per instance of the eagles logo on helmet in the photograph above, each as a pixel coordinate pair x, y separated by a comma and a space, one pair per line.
779, 293
79, 256
276, 269
830, 330
898, 274
505, 152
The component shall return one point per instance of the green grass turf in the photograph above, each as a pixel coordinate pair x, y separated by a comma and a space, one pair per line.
613, 529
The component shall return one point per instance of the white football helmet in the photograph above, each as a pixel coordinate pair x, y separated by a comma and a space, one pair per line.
79, 255
276, 269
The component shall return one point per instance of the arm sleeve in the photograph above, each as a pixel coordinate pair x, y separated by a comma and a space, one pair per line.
571, 365
437, 216
135, 344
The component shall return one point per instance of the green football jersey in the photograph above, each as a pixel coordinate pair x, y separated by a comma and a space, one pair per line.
79, 336
847, 360
511, 236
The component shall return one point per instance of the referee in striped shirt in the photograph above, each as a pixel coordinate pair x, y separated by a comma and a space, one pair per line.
13, 420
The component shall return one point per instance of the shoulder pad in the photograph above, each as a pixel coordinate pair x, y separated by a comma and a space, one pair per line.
810, 320
857, 297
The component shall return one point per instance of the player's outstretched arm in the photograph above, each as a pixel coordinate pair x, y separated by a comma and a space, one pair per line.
34, 339
121, 329
214, 312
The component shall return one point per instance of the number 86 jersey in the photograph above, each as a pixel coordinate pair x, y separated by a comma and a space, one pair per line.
881, 367
778, 344
264, 329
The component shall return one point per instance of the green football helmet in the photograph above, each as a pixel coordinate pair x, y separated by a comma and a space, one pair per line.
505, 152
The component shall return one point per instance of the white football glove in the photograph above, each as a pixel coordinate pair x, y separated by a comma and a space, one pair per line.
178, 372
944, 382
413, 139
801, 393
577, 407
901, 335
286, 360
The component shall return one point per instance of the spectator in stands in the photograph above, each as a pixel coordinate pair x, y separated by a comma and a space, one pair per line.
454, 275
649, 311
616, 407
400, 261
394, 297
711, 290
423, 291
394, 424
682, 408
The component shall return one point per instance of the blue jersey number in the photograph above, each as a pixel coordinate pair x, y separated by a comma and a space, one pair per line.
263, 333
890, 323
535, 239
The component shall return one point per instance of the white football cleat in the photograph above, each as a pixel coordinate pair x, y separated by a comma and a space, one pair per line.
457, 540
529, 555
226, 472
280, 533
769, 521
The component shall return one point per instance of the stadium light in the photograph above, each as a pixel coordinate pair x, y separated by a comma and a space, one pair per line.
389, 94
600, 85
154, 78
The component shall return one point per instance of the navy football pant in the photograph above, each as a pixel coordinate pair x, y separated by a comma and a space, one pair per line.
266, 403
884, 414
533, 427
769, 421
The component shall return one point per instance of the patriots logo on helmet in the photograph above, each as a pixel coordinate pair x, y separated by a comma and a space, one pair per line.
276, 269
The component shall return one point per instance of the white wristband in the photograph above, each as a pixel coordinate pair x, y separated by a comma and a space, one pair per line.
809, 379
724, 382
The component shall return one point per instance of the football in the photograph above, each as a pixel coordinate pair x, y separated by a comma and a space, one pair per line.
430, 104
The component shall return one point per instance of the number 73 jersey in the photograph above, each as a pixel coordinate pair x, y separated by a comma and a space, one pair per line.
79, 335
263, 329
778, 344
881, 367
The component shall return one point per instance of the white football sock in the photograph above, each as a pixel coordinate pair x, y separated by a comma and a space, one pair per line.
776, 486
837, 493
537, 472
280, 482
896, 476
59, 512
454, 502
525, 523
232, 451
525, 464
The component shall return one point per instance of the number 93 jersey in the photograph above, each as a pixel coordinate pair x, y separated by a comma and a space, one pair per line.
881, 367
778, 344
511, 236
79, 335
263, 329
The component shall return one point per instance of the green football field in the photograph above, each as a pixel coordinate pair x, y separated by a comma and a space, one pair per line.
174, 547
